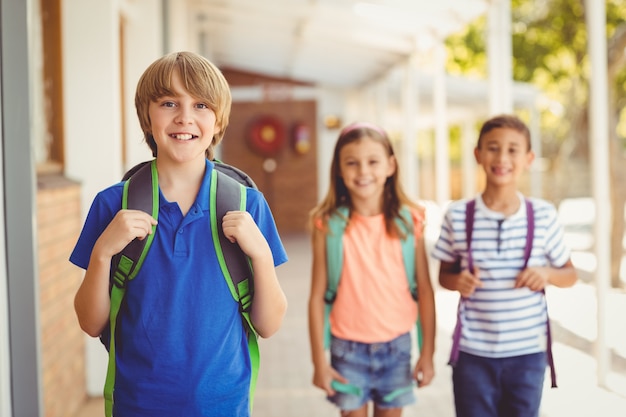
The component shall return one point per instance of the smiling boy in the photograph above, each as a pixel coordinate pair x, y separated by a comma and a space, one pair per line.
181, 346
500, 271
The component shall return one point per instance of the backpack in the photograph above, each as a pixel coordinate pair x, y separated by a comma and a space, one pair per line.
469, 227
334, 262
227, 192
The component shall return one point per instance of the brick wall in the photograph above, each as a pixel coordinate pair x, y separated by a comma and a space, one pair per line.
62, 341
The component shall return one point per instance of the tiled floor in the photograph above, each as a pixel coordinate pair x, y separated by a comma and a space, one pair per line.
284, 387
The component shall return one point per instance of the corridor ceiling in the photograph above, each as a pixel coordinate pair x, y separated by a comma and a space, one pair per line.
333, 43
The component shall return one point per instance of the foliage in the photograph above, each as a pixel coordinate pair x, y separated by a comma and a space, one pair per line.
549, 51
549, 42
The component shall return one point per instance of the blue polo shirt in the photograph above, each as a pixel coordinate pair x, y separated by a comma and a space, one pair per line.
181, 346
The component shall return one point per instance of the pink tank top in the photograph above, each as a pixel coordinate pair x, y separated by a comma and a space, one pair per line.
373, 301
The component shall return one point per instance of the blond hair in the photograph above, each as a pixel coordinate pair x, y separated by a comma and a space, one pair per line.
201, 78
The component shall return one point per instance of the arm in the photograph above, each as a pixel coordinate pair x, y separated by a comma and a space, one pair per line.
323, 373
537, 278
270, 304
92, 302
424, 369
451, 277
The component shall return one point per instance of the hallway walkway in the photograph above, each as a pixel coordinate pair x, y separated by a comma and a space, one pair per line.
284, 388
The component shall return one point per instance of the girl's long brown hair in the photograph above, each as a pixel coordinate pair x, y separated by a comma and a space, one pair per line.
394, 196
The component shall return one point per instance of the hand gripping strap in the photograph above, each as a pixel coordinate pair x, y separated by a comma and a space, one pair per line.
141, 192
227, 194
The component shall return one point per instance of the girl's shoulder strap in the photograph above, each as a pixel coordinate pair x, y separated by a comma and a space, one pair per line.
405, 223
337, 222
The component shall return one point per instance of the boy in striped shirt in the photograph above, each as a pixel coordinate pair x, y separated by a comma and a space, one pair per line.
516, 249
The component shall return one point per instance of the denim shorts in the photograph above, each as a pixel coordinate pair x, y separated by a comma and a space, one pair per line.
380, 372
498, 387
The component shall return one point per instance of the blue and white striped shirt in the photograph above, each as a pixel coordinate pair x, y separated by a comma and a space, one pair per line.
499, 320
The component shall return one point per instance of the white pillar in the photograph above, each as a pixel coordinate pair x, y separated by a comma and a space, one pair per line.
408, 160
442, 140
177, 26
536, 171
91, 93
382, 104
329, 102
142, 42
499, 57
468, 162
353, 106
599, 151
370, 110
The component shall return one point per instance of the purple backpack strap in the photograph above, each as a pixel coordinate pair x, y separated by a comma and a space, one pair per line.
469, 228
531, 230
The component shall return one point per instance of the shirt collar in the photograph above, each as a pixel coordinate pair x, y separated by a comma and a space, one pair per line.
496, 215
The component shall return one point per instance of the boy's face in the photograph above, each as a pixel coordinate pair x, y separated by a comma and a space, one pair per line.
364, 166
504, 156
182, 125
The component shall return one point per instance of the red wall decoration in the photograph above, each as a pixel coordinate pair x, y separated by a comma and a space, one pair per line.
266, 135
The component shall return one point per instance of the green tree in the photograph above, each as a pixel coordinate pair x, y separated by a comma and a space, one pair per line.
550, 51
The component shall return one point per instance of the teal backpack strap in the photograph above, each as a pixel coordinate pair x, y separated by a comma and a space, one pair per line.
141, 192
334, 263
408, 257
228, 194
408, 249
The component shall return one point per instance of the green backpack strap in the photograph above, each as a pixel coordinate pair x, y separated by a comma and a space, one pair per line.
234, 263
334, 262
141, 192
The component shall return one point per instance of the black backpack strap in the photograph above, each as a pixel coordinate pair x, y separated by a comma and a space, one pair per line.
141, 192
235, 173
230, 194
134, 169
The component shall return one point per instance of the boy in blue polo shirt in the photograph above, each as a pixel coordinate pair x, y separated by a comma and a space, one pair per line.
181, 346
502, 341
